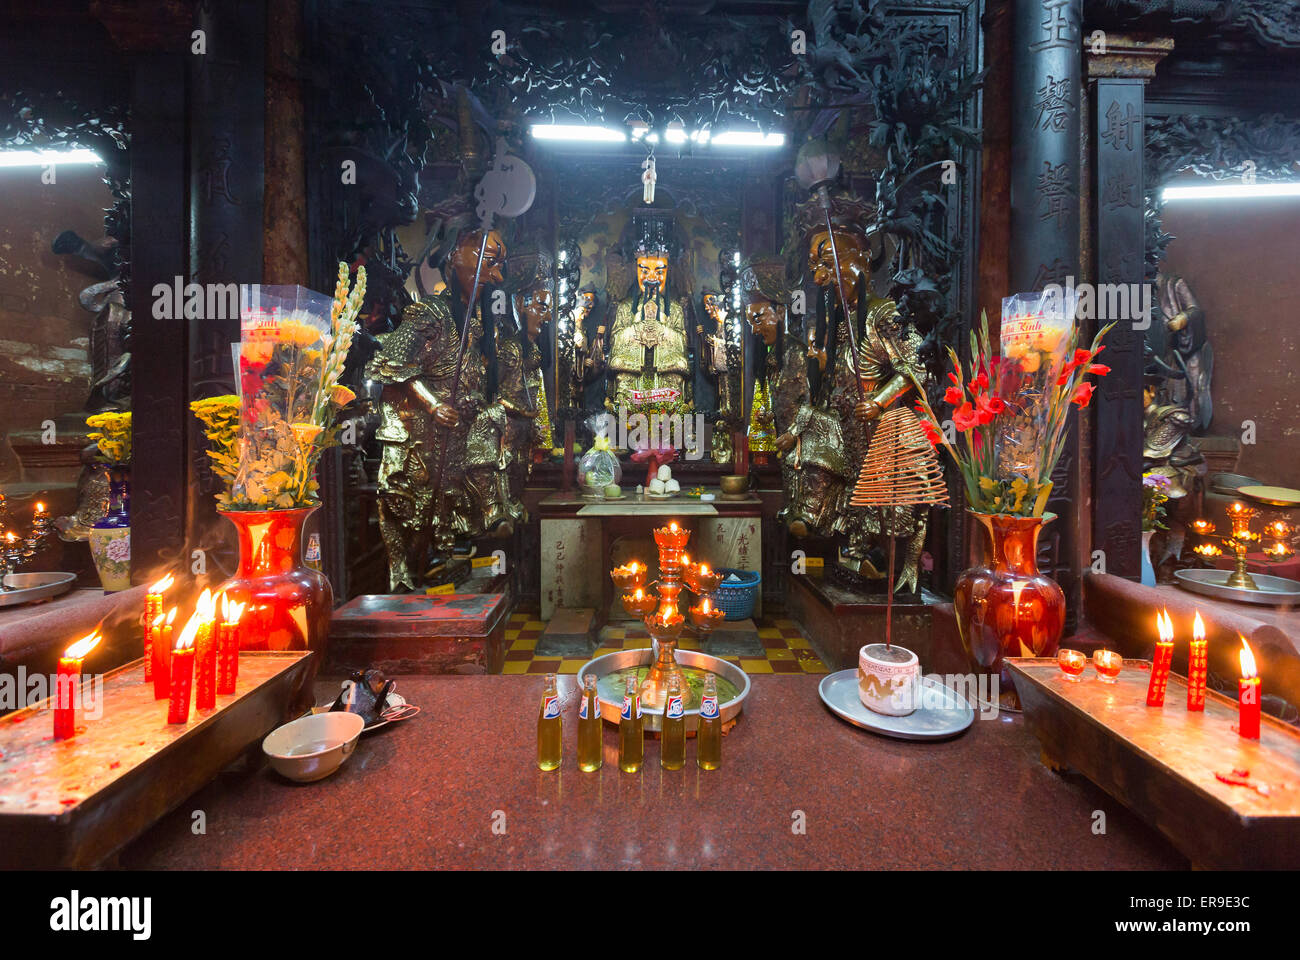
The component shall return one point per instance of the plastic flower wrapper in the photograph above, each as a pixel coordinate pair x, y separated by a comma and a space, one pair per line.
599, 467
1037, 338
293, 345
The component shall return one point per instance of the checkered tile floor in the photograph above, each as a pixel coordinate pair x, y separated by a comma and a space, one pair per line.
785, 647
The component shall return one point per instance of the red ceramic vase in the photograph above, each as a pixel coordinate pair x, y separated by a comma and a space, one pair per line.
1004, 606
288, 603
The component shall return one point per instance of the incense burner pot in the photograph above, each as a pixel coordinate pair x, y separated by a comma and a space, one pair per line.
888, 679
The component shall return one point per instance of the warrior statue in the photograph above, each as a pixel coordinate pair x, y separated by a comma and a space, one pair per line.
887, 367
424, 428
503, 436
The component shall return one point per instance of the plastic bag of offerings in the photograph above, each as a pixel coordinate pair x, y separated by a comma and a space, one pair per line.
283, 335
1035, 340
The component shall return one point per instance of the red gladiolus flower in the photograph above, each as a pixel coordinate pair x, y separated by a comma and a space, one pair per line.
1100, 369
965, 417
980, 383
931, 434
953, 395
1081, 356
989, 407
977, 441
1082, 395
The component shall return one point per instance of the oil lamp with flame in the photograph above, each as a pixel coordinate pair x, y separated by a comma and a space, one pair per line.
16, 548
1239, 541
660, 611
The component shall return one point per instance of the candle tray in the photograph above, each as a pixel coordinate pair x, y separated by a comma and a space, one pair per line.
75, 803
1164, 763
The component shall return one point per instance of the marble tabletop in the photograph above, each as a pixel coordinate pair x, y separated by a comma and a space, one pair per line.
458, 787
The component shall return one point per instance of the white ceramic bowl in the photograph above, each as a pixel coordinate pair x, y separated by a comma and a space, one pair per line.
311, 748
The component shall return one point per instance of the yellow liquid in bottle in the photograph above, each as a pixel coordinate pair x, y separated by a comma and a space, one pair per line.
672, 743
708, 740
631, 741
589, 736
550, 737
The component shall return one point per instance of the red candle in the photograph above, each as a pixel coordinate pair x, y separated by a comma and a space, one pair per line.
205, 654
162, 655
1198, 660
228, 645
178, 703
1161, 661
1248, 695
153, 601
66, 683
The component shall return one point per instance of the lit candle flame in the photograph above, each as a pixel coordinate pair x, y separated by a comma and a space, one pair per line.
1165, 626
205, 609
686, 559
231, 610
704, 569
83, 646
1247, 659
186, 640
40, 507
639, 594
1198, 627
673, 526
162, 584
704, 605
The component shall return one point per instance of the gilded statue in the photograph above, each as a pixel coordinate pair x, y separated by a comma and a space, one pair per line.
423, 497
887, 368
645, 360
501, 441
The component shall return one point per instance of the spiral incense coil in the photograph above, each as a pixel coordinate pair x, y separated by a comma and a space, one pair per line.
901, 467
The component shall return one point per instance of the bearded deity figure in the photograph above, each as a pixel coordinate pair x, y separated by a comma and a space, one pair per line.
646, 359
887, 368
426, 414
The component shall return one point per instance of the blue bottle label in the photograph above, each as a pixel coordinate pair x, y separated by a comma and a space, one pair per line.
709, 708
550, 707
675, 710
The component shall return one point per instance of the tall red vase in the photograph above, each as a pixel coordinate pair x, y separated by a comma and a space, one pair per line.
1004, 606
288, 603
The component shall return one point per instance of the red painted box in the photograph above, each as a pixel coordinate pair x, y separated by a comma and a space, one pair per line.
415, 633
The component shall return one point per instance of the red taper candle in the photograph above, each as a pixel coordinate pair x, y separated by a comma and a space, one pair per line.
1248, 695
205, 654
1198, 661
182, 671
228, 645
162, 656
66, 683
1161, 661
153, 601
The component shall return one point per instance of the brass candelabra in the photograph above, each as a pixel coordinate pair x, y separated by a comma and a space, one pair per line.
660, 613
1240, 539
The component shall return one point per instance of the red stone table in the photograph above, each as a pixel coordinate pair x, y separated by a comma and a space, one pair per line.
422, 794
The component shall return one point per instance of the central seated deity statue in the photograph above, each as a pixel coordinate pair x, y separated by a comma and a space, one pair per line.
647, 361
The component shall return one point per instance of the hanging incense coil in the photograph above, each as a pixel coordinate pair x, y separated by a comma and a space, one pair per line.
901, 467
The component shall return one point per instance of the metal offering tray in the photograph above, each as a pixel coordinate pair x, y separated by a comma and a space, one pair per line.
29, 587
689, 660
1271, 592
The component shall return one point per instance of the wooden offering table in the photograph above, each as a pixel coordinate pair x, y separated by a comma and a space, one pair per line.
1223, 800
76, 802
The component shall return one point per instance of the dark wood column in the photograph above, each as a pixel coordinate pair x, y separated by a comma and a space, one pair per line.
159, 361
1118, 79
1045, 219
226, 119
